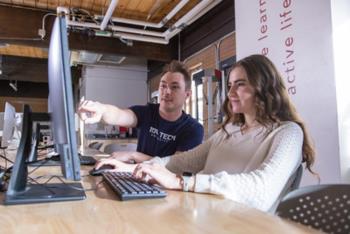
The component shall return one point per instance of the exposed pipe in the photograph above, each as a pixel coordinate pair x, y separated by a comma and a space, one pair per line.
64, 10
108, 14
206, 9
140, 38
122, 35
147, 35
135, 22
116, 28
173, 12
60, 9
191, 16
192, 12
148, 24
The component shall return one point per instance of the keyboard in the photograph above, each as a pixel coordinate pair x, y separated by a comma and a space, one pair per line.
127, 188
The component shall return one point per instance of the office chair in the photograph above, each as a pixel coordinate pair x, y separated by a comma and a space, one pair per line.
292, 184
108, 149
323, 207
297, 178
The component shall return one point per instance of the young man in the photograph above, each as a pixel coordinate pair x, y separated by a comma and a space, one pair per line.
163, 129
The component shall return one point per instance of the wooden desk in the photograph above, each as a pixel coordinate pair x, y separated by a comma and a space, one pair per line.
102, 212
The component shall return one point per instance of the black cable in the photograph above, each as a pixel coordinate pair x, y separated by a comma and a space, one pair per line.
6, 159
41, 161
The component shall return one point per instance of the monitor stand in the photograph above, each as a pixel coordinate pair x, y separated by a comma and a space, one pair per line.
50, 161
38, 193
19, 191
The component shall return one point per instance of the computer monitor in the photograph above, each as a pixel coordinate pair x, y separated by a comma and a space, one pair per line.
19, 172
21, 190
9, 125
61, 101
62, 116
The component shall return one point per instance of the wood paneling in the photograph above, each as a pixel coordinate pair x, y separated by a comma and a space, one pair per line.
227, 47
205, 57
23, 28
210, 28
37, 104
24, 51
24, 31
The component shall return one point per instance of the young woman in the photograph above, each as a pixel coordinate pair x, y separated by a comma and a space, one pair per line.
252, 157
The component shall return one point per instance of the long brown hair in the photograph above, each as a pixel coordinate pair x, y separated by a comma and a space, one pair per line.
272, 102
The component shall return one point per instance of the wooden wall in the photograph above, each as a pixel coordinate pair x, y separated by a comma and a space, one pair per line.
206, 58
37, 104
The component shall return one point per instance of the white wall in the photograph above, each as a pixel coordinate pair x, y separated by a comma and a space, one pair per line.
121, 86
297, 36
341, 44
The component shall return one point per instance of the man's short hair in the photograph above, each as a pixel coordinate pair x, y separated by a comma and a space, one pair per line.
176, 66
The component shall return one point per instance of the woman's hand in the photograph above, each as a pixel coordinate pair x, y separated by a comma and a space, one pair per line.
118, 165
156, 173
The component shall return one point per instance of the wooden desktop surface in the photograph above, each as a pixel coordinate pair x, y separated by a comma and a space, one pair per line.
102, 212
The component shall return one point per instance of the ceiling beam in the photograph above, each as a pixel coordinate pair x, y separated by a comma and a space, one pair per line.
20, 26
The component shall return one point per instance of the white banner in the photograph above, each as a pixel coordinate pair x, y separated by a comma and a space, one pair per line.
297, 36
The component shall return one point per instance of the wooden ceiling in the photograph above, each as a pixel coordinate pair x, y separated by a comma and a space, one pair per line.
23, 51
152, 11
144, 10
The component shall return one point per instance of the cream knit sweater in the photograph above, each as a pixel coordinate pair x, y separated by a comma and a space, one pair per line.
251, 168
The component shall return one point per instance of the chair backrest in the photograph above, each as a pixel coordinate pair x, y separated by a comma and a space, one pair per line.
323, 207
108, 149
292, 184
297, 178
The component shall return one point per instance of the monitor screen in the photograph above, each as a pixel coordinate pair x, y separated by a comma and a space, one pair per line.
61, 101
9, 125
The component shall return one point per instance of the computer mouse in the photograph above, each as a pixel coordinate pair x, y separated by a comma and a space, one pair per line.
104, 168
95, 145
